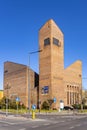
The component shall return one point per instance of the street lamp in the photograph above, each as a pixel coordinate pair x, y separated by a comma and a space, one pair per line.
29, 82
7, 88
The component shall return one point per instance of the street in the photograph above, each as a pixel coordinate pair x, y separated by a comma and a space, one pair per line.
44, 122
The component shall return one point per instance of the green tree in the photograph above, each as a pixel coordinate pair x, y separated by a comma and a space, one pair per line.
84, 101
3, 103
45, 105
50, 101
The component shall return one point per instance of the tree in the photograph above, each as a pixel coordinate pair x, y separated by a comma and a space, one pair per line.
84, 101
3, 103
50, 101
45, 105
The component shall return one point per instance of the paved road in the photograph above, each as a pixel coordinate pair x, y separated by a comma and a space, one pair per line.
48, 122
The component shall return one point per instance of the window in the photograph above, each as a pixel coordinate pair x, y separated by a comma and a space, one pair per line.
42, 90
47, 41
67, 97
56, 42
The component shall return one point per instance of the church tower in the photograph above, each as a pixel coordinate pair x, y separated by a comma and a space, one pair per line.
51, 63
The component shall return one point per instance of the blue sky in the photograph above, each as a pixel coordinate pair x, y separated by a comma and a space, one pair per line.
20, 21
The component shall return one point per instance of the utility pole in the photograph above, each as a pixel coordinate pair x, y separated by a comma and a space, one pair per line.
7, 88
29, 78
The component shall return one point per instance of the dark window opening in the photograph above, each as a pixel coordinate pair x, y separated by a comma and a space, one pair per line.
56, 42
67, 97
36, 77
47, 41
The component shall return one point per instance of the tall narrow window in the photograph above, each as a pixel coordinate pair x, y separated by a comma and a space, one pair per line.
47, 41
56, 41
73, 97
68, 98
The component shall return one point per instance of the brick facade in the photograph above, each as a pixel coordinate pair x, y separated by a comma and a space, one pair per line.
52, 72
54, 81
16, 79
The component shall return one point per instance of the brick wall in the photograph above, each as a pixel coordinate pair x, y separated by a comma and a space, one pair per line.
16, 79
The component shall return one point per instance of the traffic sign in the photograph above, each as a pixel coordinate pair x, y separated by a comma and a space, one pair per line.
17, 99
54, 100
33, 106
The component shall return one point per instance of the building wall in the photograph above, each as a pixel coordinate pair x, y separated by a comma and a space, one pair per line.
52, 72
51, 62
73, 83
45, 62
16, 79
57, 64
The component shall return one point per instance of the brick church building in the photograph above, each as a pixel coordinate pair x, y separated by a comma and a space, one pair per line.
53, 81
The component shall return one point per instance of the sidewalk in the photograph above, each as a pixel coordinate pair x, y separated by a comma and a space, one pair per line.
56, 113
28, 116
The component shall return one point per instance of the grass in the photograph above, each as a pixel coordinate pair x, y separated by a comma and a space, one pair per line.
23, 111
82, 111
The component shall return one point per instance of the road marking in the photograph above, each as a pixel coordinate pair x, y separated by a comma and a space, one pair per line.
71, 127
10, 123
23, 129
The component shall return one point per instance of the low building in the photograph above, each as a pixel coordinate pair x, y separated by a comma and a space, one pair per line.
21, 82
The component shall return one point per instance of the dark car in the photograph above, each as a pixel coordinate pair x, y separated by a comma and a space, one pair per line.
68, 108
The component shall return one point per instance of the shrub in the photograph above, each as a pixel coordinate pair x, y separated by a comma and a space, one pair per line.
11, 104
45, 105
77, 106
3, 103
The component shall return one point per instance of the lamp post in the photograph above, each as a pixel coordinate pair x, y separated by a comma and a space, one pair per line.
29, 82
7, 88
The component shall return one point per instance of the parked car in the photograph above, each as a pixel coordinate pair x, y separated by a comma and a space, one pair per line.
68, 108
